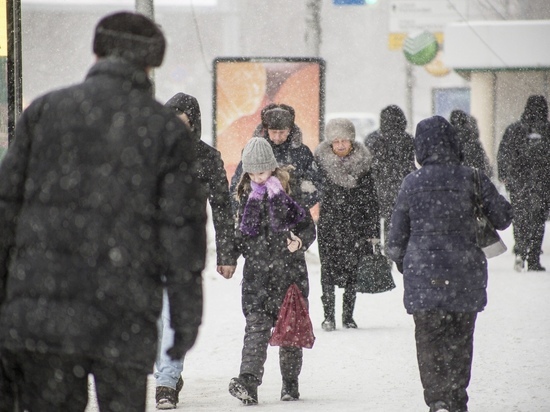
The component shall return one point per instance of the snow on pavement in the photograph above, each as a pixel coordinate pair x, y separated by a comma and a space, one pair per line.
374, 367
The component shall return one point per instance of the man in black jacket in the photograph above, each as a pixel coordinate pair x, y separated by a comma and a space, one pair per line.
524, 169
100, 209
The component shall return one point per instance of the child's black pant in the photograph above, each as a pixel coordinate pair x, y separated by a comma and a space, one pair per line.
444, 346
53, 383
256, 340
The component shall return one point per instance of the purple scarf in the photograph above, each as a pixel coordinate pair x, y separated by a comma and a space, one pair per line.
284, 212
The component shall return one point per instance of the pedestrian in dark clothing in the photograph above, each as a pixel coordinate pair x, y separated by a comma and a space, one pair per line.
392, 159
100, 210
524, 169
211, 173
348, 216
273, 232
467, 133
285, 137
433, 243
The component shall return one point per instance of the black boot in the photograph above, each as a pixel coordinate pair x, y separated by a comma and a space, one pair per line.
533, 262
245, 388
290, 390
349, 305
328, 298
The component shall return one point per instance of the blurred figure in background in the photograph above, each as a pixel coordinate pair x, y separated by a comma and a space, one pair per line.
348, 216
467, 134
392, 152
524, 168
212, 175
100, 210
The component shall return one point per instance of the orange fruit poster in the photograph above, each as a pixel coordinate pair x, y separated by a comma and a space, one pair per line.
243, 86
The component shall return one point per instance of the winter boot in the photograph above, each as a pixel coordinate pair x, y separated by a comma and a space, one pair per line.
328, 298
245, 388
349, 305
533, 262
168, 398
290, 390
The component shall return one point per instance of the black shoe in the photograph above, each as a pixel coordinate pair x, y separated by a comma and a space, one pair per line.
168, 398
349, 323
244, 388
328, 325
535, 267
290, 390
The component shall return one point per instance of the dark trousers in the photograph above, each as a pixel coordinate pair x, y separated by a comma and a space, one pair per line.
530, 214
348, 301
444, 347
254, 354
53, 383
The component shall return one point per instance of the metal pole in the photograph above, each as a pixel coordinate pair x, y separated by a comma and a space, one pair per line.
313, 27
409, 95
147, 8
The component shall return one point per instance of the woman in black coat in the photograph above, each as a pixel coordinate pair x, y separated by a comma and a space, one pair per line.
348, 216
433, 242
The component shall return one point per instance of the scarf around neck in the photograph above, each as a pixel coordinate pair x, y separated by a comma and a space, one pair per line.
284, 212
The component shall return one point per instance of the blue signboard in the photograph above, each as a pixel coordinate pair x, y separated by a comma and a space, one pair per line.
347, 2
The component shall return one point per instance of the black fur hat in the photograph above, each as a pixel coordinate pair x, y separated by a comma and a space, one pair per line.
277, 116
131, 36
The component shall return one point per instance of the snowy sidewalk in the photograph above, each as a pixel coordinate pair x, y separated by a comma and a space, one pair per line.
374, 367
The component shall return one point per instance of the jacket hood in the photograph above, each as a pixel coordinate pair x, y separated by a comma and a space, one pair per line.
184, 103
347, 171
392, 120
436, 143
536, 110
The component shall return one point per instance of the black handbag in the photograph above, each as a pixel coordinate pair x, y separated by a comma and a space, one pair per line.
374, 273
487, 236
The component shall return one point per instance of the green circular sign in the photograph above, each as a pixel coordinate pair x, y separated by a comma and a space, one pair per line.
421, 48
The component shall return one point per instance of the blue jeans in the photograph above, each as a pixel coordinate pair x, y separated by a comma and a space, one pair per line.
167, 371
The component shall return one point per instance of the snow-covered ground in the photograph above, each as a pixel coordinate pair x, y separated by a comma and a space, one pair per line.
374, 367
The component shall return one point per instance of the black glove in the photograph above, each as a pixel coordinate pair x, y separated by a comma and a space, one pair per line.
180, 347
399, 266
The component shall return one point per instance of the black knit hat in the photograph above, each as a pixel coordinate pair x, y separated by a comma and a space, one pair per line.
131, 36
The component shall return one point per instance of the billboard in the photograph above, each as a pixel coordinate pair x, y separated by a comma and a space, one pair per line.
243, 86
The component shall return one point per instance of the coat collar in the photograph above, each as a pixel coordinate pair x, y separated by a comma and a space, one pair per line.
346, 171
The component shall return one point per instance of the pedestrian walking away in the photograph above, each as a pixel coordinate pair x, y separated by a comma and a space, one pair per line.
432, 240
524, 169
273, 231
348, 222
392, 159
211, 172
100, 210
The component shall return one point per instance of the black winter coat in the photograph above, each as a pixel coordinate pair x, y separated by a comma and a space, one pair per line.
348, 213
392, 159
269, 268
99, 203
432, 232
524, 151
295, 153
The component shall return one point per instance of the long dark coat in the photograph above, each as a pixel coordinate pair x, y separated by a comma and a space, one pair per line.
293, 152
98, 203
269, 267
348, 213
392, 159
432, 234
524, 151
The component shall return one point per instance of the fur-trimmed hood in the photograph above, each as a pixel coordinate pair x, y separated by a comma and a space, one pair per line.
346, 171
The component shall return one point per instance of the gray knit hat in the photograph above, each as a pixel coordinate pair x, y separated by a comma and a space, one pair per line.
340, 129
258, 156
